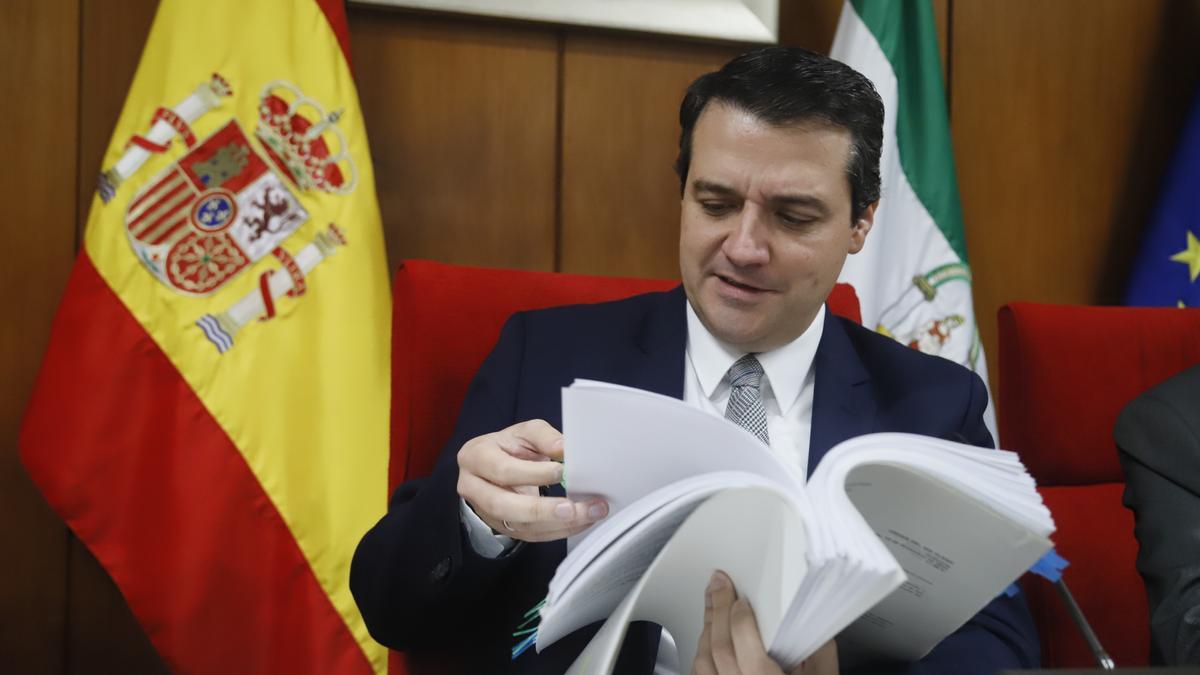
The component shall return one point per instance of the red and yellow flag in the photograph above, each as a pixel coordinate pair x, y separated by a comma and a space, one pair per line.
211, 418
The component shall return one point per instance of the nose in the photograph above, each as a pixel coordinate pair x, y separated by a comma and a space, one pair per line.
746, 244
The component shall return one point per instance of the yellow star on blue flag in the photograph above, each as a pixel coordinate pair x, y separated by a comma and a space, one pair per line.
1190, 256
1158, 278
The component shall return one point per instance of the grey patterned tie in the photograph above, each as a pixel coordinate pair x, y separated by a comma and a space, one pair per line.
745, 407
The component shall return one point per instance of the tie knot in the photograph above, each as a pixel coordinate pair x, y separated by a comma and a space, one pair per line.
746, 372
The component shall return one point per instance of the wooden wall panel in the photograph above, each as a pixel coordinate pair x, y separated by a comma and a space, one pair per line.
39, 51
462, 120
1063, 117
620, 196
103, 635
810, 24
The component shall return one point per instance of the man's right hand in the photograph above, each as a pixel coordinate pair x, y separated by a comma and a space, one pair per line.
499, 475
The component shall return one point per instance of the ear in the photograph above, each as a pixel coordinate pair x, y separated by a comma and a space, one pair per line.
860, 228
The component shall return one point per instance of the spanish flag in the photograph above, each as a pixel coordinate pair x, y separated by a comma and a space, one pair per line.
211, 419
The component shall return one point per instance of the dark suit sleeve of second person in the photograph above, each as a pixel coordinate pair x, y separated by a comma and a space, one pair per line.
1159, 441
414, 576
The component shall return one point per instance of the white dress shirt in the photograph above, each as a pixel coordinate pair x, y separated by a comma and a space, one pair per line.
786, 391
786, 388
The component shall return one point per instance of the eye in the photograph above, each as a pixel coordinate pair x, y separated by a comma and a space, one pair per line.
714, 208
794, 219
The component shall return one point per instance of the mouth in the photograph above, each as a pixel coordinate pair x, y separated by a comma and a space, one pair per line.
740, 285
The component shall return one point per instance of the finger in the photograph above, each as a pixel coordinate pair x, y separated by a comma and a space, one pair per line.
520, 449
545, 531
752, 657
533, 533
539, 436
547, 512
703, 664
720, 589
500, 503
527, 513
495, 465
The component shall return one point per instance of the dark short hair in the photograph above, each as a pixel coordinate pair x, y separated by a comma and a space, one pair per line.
784, 86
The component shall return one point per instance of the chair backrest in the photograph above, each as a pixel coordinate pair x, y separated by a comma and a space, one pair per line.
1065, 374
446, 318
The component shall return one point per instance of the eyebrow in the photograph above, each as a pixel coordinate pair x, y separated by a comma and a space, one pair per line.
714, 188
807, 201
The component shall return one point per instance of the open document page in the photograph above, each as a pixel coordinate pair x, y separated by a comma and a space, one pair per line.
762, 549
623, 443
961, 521
598, 573
895, 541
658, 460
754, 534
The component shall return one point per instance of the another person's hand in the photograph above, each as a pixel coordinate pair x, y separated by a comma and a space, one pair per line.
499, 475
732, 645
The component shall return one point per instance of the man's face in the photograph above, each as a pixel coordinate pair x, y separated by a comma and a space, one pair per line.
765, 225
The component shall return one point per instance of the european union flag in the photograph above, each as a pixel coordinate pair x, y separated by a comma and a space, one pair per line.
1168, 267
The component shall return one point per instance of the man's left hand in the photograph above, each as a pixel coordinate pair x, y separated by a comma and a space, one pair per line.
732, 645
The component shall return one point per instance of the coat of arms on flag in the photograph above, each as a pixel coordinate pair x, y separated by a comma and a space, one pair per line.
225, 491
223, 206
928, 314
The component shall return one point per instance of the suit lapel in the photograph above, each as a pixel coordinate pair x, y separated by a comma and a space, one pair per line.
657, 362
843, 405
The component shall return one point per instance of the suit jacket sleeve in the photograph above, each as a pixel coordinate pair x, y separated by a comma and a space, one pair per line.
1002, 635
414, 576
1159, 440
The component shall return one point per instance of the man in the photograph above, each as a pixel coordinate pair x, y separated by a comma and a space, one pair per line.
1158, 436
779, 169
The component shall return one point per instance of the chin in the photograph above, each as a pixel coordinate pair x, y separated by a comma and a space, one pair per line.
731, 333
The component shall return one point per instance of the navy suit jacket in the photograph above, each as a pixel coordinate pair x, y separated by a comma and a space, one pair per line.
421, 587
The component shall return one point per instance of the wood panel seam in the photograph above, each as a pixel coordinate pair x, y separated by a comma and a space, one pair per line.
559, 84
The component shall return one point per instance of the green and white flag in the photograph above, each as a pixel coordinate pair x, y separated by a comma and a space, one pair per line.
912, 276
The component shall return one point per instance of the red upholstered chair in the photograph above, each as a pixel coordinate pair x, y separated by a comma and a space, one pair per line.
446, 318
1065, 374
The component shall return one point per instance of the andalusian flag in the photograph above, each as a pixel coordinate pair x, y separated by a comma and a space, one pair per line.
912, 277
212, 415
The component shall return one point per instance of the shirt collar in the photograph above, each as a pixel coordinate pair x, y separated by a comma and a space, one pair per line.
785, 367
